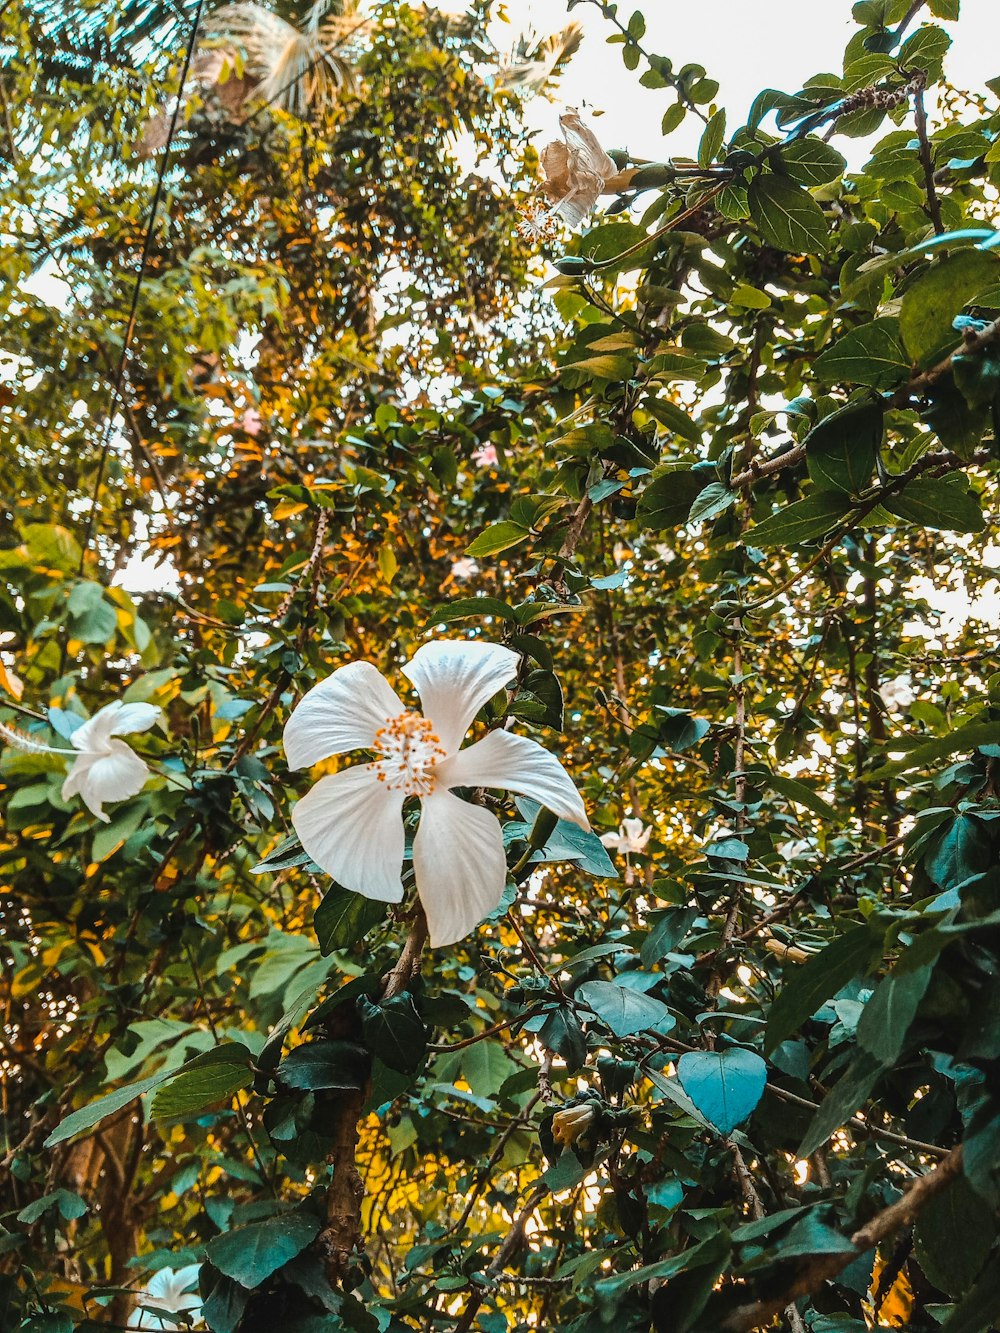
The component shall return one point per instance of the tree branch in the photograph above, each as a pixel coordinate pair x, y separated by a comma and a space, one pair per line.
824, 1268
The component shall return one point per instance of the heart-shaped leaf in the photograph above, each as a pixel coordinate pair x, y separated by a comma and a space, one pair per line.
724, 1085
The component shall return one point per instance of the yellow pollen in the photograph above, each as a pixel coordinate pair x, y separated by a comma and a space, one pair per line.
409, 751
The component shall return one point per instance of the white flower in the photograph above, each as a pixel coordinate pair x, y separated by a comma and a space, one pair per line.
631, 837
464, 568
576, 170
351, 823
103, 769
171, 1289
106, 769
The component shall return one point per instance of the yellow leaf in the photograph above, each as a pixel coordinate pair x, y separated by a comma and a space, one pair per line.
11, 683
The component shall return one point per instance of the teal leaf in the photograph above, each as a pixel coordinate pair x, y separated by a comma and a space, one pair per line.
725, 1086
249, 1255
625, 1012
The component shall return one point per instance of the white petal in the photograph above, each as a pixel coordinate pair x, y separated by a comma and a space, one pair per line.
341, 713
516, 764
352, 825
134, 717
461, 867
454, 678
112, 775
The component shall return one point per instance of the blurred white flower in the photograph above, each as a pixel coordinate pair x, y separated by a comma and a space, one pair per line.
351, 822
898, 693
104, 768
464, 568
631, 837
172, 1290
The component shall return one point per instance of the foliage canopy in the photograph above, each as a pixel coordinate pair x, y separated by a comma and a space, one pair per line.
715, 466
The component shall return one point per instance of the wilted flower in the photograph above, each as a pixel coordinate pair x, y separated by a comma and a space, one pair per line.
631, 837
104, 768
351, 822
172, 1290
576, 170
572, 1123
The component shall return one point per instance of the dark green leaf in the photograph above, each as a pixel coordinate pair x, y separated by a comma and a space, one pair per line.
667, 500
939, 502
841, 450
562, 1034
212, 1077
888, 1015
325, 1064
249, 1255
394, 1031
953, 1236
470, 608
802, 521
931, 303
846, 1097
874, 354
818, 980
344, 917
94, 1112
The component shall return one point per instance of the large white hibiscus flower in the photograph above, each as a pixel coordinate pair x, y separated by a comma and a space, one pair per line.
351, 823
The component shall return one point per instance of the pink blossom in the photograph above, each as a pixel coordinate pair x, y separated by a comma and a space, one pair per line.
485, 455
250, 421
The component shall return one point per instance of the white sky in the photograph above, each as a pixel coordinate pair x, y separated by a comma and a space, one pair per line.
746, 45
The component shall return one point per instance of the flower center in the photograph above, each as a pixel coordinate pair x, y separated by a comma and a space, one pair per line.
409, 751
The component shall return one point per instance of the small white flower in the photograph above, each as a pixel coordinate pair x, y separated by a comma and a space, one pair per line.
351, 822
174, 1290
103, 768
576, 170
464, 568
630, 838
897, 693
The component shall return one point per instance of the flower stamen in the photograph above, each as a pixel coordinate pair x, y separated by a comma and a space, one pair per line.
409, 751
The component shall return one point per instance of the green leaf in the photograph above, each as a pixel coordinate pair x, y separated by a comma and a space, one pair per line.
874, 354
953, 1237
849, 956
212, 1077
394, 1031
939, 502
799, 794
562, 1034
715, 499
225, 1301
726, 1086
345, 917
786, 216
932, 301
624, 1011
847, 1096
981, 1308
497, 537
802, 521
70, 1206
922, 753
961, 849
94, 1112
841, 450
712, 138
888, 1015
325, 1064
673, 419
809, 161
470, 608
667, 499
925, 50
607, 367
566, 842
249, 1255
